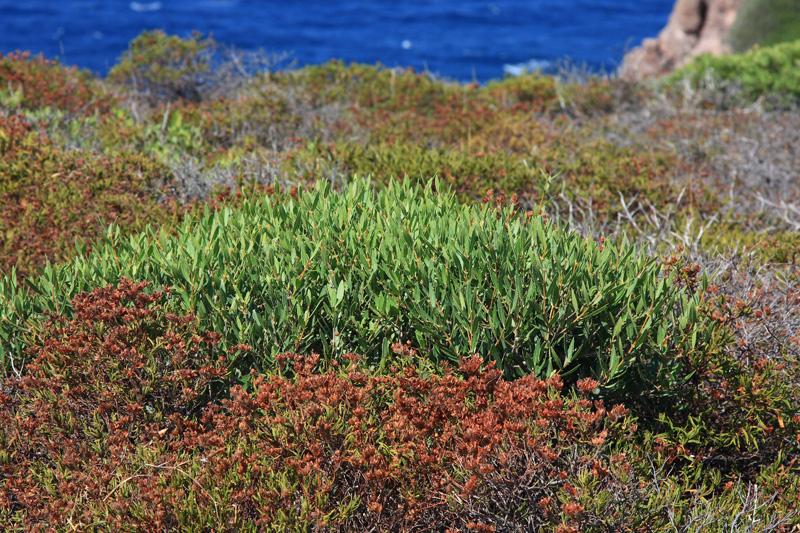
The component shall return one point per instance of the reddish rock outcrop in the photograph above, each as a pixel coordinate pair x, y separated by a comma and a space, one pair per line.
695, 27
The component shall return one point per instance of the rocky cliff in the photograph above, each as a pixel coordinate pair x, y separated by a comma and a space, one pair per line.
695, 27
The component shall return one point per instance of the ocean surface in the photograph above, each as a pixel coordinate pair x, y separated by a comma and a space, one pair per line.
458, 39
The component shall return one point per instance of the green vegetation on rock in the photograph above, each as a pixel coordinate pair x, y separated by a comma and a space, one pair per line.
770, 71
765, 22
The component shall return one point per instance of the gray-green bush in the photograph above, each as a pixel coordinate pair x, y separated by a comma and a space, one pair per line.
357, 270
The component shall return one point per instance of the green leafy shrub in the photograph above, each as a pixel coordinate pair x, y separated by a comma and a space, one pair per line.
335, 273
764, 23
165, 67
768, 71
172, 139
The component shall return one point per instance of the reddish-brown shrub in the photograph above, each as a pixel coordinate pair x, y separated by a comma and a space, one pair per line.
52, 197
48, 83
112, 378
739, 409
112, 426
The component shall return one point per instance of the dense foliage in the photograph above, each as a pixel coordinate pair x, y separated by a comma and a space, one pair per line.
35, 82
483, 274
117, 425
165, 67
770, 71
354, 271
765, 23
55, 197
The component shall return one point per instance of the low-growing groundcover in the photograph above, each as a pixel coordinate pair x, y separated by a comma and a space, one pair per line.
358, 270
127, 419
53, 197
38, 82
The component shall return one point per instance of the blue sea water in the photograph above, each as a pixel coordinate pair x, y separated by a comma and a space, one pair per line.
459, 39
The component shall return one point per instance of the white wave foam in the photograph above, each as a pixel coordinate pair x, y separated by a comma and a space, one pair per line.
145, 7
518, 69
